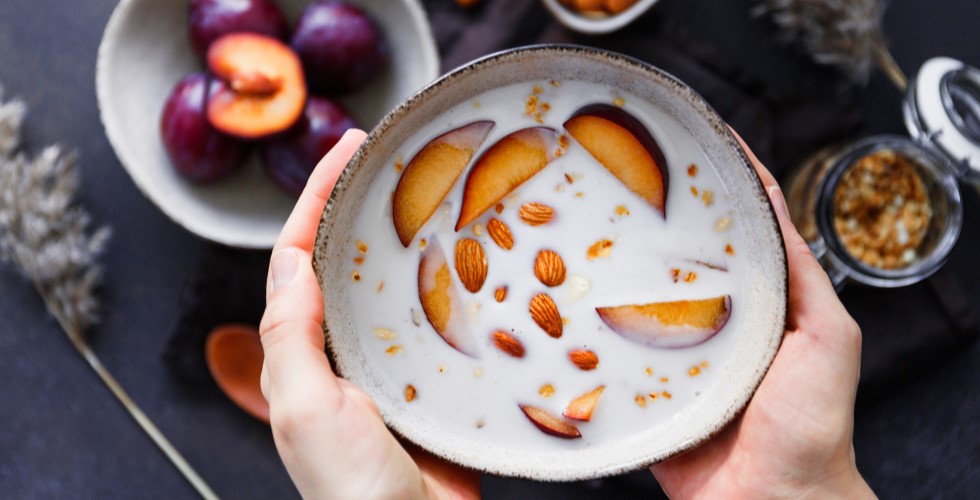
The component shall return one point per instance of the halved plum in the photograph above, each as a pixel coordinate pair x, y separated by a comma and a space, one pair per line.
209, 20
431, 174
289, 158
198, 151
505, 166
621, 143
441, 303
682, 323
261, 89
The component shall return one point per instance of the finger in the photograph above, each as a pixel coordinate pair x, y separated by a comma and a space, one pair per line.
300, 229
810, 289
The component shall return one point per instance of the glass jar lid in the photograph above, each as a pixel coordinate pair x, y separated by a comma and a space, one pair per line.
942, 110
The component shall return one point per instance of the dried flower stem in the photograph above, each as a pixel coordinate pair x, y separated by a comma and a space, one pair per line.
44, 235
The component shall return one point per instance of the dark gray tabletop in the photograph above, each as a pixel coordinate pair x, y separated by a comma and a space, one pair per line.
62, 435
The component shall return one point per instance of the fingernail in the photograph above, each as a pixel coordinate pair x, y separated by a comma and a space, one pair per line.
283, 265
778, 202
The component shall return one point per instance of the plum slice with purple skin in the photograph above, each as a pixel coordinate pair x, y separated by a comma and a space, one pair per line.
198, 151
550, 424
289, 158
209, 20
669, 325
624, 146
441, 303
505, 166
431, 174
341, 47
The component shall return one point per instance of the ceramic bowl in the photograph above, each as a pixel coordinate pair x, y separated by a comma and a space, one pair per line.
145, 51
766, 293
597, 25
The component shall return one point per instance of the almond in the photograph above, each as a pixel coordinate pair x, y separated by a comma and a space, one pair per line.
500, 233
549, 268
500, 294
508, 344
585, 360
544, 312
535, 214
471, 264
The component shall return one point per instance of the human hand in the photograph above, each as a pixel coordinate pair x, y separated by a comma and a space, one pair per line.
329, 433
795, 437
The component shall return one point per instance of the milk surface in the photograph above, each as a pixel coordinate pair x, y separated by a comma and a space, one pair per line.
480, 397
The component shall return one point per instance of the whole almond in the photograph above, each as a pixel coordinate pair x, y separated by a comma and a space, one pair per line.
500, 294
585, 360
471, 264
535, 214
549, 268
508, 344
500, 233
544, 312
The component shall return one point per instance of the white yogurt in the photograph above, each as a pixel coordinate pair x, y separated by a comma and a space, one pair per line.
480, 397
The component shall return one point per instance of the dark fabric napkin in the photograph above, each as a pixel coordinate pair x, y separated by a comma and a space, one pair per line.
905, 330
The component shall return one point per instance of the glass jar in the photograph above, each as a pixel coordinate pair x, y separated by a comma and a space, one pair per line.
886, 211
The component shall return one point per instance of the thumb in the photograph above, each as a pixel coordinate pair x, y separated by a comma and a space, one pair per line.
291, 332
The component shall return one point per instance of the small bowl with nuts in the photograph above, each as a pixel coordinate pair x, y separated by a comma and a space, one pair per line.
597, 16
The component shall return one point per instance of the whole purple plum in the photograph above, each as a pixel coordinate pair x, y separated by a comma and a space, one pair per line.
198, 151
340, 45
209, 20
290, 158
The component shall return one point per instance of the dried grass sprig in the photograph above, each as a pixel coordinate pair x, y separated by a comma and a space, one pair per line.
842, 33
46, 236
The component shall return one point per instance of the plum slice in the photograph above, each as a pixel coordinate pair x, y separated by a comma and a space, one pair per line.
261, 89
682, 323
581, 408
505, 166
550, 424
441, 303
618, 141
431, 174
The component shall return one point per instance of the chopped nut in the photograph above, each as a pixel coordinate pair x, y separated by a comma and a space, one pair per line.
641, 400
649, 371
692, 170
694, 371
385, 334
531, 105
500, 294
356, 276
619, 101
599, 249
707, 197
690, 277
361, 246
393, 350
729, 250
546, 390
622, 211
409, 393
723, 223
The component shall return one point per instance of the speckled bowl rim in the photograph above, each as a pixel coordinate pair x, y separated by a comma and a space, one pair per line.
574, 471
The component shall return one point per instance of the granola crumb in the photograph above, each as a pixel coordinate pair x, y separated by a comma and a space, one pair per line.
361, 246
723, 224
694, 371
359, 259
708, 197
537, 89
385, 334
478, 372
555, 83
619, 101
477, 229
690, 277
675, 274
729, 250
546, 390
622, 211
599, 249
569, 178
499, 208
423, 243
355, 276
665, 379
649, 371
694, 190
641, 400
381, 286
443, 368
692, 170
393, 350
666, 394
410, 393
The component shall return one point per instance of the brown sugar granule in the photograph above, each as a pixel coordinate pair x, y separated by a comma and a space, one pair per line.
649, 371
641, 400
694, 371
882, 211
690, 277
692, 170
410, 393
729, 250
546, 390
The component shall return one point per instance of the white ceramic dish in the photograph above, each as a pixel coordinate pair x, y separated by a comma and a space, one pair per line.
145, 51
596, 26
765, 297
